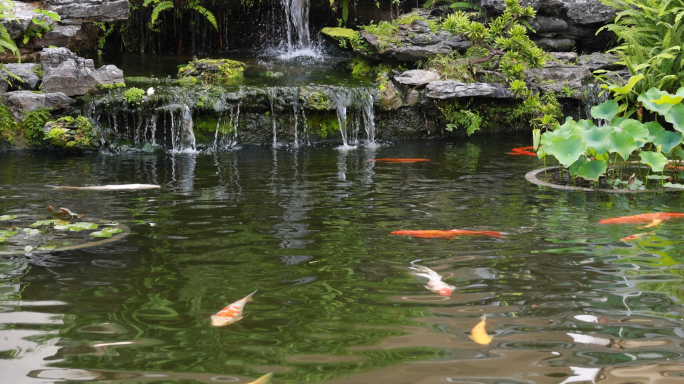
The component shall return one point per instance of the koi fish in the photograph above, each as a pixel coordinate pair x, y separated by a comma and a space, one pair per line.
479, 334
63, 213
231, 313
643, 218
636, 236
263, 379
673, 168
399, 160
435, 283
653, 223
522, 151
450, 234
115, 187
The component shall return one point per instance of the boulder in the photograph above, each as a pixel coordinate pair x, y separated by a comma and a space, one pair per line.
26, 101
557, 77
27, 72
73, 75
451, 89
416, 77
558, 45
89, 10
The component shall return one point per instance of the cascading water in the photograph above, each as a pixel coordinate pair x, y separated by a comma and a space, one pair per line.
182, 129
369, 120
227, 137
271, 91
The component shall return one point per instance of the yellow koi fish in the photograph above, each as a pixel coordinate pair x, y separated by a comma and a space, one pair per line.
231, 313
636, 236
435, 283
479, 334
265, 379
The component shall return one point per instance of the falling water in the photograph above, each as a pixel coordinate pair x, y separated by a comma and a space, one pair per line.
341, 100
182, 132
369, 120
271, 91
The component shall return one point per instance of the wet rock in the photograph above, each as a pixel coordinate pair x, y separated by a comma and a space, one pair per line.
451, 89
27, 73
543, 24
389, 96
559, 45
212, 70
73, 75
71, 133
416, 77
26, 101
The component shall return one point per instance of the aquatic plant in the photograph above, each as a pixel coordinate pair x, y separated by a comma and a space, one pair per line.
70, 132
622, 147
134, 96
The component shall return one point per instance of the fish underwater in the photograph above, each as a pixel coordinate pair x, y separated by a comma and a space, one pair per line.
263, 379
479, 334
636, 236
522, 151
435, 283
399, 160
114, 187
450, 234
644, 218
231, 313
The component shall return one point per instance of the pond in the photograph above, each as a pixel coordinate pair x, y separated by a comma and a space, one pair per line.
565, 299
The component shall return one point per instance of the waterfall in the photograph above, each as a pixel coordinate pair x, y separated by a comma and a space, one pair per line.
341, 100
297, 24
369, 120
271, 91
182, 132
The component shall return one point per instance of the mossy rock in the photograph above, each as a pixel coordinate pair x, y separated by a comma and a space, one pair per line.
341, 36
212, 70
72, 133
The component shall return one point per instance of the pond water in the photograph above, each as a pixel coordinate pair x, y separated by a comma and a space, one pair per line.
565, 299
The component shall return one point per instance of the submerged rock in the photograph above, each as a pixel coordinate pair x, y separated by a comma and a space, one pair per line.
73, 75
212, 70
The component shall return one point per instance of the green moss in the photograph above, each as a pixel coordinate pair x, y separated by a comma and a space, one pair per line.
134, 96
33, 124
212, 70
8, 126
361, 67
111, 86
342, 36
322, 124
450, 67
57, 137
70, 132
38, 70
190, 80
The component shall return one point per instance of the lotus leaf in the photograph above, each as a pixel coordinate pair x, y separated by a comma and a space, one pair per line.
677, 153
598, 139
648, 100
654, 160
622, 143
574, 168
668, 140
7, 217
46, 247
636, 129
654, 128
592, 170
627, 87
41, 223
672, 99
77, 226
567, 150
670, 185
31, 232
606, 110
675, 116
106, 232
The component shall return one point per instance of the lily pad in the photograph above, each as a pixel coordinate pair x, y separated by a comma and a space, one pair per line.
7, 217
622, 143
592, 170
649, 98
31, 232
567, 151
671, 185
107, 232
47, 247
606, 110
6, 234
668, 140
655, 160
76, 226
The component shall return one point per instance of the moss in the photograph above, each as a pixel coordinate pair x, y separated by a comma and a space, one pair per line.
111, 86
322, 124
134, 96
70, 132
212, 70
190, 80
361, 67
33, 124
450, 67
342, 36
9, 129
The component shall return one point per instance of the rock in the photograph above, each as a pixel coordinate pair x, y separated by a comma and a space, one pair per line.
416, 77
557, 77
388, 96
543, 24
564, 57
27, 72
588, 12
451, 89
21, 101
342, 37
71, 133
560, 45
73, 75
90, 10
598, 60
212, 70
456, 42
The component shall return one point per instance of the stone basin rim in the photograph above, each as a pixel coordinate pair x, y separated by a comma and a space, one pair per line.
531, 176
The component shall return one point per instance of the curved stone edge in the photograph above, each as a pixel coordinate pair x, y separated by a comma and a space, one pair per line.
531, 176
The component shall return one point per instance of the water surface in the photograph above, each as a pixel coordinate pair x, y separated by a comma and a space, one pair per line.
565, 300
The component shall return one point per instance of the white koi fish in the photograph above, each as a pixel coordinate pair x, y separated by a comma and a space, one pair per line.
435, 283
231, 313
113, 187
265, 379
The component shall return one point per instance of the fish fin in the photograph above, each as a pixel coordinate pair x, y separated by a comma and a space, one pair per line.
263, 379
249, 297
653, 223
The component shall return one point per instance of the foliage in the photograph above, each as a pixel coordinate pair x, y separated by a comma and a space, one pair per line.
212, 70
322, 124
650, 34
457, 116
111, 86
134, 96
38, 26
6, 42
591, 152
107, 29
70, 132
8, 125
33, 124
160, 6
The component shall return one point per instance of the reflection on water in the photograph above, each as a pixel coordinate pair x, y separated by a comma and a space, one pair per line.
565, 299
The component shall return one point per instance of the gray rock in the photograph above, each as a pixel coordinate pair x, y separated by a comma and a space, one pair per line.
543, 24
26, 101
456, 42
564, 57
599, 60
557, 77
560, 45
416, 42
588, 11
26, 72
90, 10
451, 89
416, 77
65, 72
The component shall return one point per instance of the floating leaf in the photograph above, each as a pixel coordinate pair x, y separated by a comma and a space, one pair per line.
649, 98
668, 140
675, 116
622, 143
106, 232
46, 247
30, 232
77, 226
6, 234
567, 151
670, 185
41, 223
655, 160
606, 110
592, 170
7, 217
625, 89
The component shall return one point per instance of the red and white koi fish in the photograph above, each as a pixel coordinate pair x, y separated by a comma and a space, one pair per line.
399, 160
450, 234
636, 236
231, 313
435, 283
644, 218
114, 187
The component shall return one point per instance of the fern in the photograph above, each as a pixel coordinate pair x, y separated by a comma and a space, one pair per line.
160, 6
6, 42
205, 12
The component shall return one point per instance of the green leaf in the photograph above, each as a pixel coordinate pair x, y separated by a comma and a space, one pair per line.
592, 170
76, 226
536, 136
106, 232
622, 143
8, 217
6, 234
574, 168
654, 128
654, 160
636, 129
672, 99
627, 88
677, 153
670, 185
668, 140
40, 223
46, 247
675, 116
598, 139
567, 151
649, 98
606, 110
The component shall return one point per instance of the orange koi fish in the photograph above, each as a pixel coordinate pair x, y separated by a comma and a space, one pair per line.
636, 236
673, 168
450, 234
115, 187
522, 151
399, 160
265, 379
479, 333
435, 283
231, 313
643, 218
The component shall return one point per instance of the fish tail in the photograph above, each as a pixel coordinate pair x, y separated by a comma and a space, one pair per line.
249, 297
427, 272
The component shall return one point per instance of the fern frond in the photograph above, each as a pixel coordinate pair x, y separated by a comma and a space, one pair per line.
161, 6
205, 12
